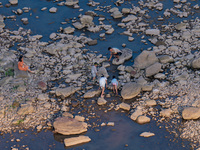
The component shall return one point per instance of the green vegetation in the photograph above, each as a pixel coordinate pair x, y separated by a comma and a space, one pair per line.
9, 72
20, 121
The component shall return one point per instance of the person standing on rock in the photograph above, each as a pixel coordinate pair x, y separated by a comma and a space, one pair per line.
103, 84
22, 66
94, 71
114, 83
114, 52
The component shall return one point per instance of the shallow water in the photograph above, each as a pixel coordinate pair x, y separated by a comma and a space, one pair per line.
125, 130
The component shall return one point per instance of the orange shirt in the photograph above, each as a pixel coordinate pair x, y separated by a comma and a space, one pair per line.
22, 66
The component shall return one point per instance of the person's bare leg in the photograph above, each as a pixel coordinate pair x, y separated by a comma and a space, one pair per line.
113, 88
116, 89
102, 93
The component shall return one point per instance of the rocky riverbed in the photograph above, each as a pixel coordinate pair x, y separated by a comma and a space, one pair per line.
162, 84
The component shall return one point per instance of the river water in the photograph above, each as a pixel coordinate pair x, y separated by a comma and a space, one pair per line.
125, 133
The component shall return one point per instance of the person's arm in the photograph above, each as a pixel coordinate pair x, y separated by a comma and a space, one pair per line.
110, 57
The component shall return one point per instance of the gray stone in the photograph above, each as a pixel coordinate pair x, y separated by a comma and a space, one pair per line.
69, 126
153, 69
145, 59
53, 10
152, 32
130, 90
180, 26
165, 59
27, 109
69, 30
196, 63
71, 2
13, 2
117, 14
166, 112
124, 106
92, 42
86, 20
76, 140
65, 92
92, 93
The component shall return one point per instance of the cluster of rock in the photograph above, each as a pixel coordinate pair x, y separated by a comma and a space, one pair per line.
167, 74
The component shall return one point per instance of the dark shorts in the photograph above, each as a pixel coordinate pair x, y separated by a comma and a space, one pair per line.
118, 54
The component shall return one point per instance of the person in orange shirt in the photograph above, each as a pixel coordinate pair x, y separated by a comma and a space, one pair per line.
22, 66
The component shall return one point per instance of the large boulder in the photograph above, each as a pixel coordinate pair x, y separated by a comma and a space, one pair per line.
76, 140
145, 59
69, 126
153, 69
126, 55
130, 90
91, 93
191, 113
196, 63
65, 92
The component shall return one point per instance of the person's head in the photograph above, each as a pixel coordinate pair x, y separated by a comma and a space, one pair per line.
20, 58
102, 75
114, 77
109, 48
96, 64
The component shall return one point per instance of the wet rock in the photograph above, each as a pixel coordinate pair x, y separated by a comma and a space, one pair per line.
143, 119
92, 93
124, 106
69, 126
191, 113
126, 55
147, 134
145, 59
166, 112
65, 92
153, 69
53, 10
130, 90
76, 140
26, 109
101, 101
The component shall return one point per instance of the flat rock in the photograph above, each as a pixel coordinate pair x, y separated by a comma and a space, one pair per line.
143, 119
27, 109
53, 10
71, 2
130, 90
150, 102
69, 126
145, 59
86, 20
191, 113
135, 115
152, 32
147, 134
92, 93
65, 92
126, 55
101, 101
13, 2
153, 69
76, 140
165, 59
124, 106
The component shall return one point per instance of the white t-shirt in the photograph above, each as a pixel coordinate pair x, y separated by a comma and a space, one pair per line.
102, 81
115, 50
94, 71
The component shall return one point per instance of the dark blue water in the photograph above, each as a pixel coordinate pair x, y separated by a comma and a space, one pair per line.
125, 130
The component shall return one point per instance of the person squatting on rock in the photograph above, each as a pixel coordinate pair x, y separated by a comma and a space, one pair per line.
114, 83
114, 51
22, 66
94, 71
103, 84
